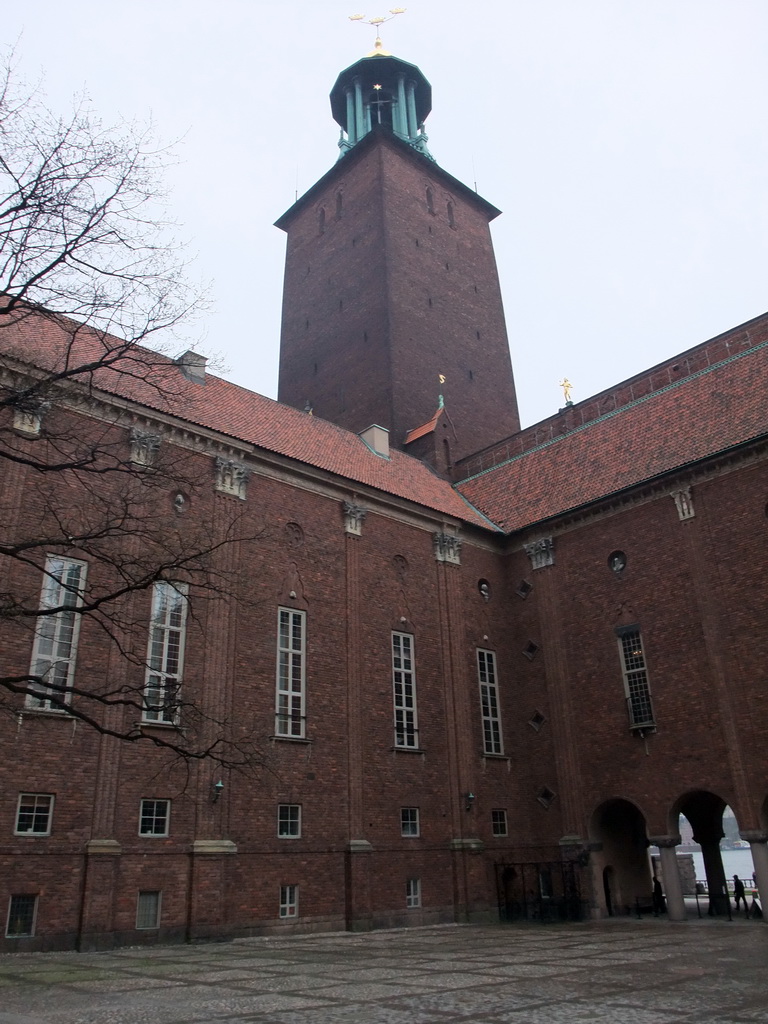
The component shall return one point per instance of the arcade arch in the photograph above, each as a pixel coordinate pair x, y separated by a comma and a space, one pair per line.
620, 858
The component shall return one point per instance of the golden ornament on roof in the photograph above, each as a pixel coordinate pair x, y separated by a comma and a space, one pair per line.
376, 22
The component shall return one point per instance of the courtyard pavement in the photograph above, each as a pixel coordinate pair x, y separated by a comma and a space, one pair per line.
623, 972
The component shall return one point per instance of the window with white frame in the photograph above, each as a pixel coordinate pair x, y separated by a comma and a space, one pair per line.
22, 912
289, 901
413, 892
155, 817
55, 648
636, 686
34, 814
489, 702
290, 707
409, 821
289, 821
404, 685
499, 822
148, 909
165, 653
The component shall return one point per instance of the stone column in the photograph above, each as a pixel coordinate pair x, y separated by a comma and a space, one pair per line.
359, 124
401, 127
413, 124
673, 890
709, 840
759, 844
351, 125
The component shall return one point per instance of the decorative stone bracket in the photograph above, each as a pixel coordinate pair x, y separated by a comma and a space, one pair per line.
541, 552
144, 446
232, 477
28, 418
447, 548
684, 503
353, 518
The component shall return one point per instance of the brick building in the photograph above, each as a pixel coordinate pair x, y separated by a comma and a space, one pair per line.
479, 668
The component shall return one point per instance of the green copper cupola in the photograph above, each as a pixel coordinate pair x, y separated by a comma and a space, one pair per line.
382, 90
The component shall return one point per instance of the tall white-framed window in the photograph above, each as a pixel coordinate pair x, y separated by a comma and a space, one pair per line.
499, 821
55, 647
409, 821
34, 814
404, 687
148, 909
154, 817
291, 697
289, 821
289, 901
489, 702
22, 913
165, 653
413, 893
636, 685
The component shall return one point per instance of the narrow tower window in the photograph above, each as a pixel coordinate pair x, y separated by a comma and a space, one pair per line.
339, 204
636, 687
321, 220
430, 201
451, 217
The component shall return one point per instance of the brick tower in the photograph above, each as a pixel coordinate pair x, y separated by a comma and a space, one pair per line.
391, 281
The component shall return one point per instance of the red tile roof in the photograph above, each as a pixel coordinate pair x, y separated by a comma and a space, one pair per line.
156, 381
425, 428
705, 413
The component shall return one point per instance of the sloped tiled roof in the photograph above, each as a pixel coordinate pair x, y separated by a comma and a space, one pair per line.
156, 381
701, 415
425, 428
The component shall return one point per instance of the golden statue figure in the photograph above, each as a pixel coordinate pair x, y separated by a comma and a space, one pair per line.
566, 385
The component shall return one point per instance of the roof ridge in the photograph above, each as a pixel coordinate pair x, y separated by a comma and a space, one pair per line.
616, 412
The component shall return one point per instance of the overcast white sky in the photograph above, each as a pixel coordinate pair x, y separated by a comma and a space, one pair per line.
625, 141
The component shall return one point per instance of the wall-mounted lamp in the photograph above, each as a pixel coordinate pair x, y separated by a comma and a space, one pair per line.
470, 798
218, 789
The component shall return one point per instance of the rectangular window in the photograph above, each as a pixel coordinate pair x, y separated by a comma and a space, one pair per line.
55, 648
289, 901
409, 821
22, 911
290, 710
34, 814
489, 702
413, 892
155, 817
636, 686
289, 821
499, 822
404, 684
165, 653
148, 909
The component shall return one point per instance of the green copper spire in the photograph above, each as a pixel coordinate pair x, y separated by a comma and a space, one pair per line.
382, 90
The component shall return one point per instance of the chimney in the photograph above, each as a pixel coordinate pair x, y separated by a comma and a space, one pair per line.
377, 439
192, 365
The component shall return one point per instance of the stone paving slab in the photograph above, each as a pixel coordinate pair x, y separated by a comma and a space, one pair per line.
617, 972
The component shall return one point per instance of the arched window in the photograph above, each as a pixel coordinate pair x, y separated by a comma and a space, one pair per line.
339, 204
430, 201
451, 218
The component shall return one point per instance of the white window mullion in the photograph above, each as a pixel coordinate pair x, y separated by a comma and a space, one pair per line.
165, 653
489, 702
56, 634
290, 698
404, 691
636, 686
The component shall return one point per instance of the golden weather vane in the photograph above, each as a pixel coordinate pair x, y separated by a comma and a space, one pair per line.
377, 23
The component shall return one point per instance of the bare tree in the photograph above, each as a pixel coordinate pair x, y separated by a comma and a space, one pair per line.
89, 274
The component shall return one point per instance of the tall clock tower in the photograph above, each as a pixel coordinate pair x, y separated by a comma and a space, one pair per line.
391, 280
